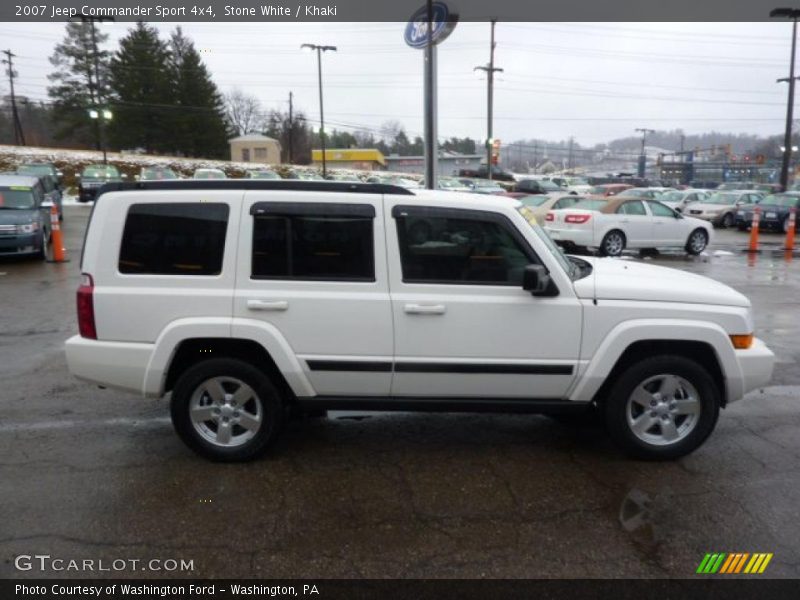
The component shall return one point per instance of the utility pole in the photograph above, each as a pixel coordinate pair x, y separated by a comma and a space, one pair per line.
19, 136
291, 130
793, 14
490, 70
319, 50
643, 155
96, 95
569, 159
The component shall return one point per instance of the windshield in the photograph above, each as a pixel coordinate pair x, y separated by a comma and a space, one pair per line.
158, 174
590, 204
265, 175
577, 181
549, 186
35, 170
99, 172
557, 252
16, 197
671, 197
780, 200
533, 200
209, 174
726, 199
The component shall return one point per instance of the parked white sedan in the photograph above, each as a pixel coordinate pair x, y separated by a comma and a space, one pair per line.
614, 224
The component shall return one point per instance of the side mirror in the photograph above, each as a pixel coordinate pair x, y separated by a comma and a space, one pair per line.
536, 280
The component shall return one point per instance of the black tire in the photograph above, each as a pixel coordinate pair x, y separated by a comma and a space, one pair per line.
694, 248
727, 221
609, 245
271, 404
616, 407
42, 254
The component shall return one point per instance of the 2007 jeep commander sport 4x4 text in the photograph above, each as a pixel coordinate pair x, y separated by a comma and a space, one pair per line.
246, 300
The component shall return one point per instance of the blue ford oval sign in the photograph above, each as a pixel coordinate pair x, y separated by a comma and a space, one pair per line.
416, 34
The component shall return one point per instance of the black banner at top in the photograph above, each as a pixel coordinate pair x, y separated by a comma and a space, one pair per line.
382, 10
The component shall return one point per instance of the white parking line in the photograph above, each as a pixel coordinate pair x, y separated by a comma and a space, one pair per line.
50, 425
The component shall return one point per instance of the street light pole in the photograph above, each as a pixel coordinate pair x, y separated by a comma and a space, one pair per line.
490, 70
320, 50
643, 156
793, 14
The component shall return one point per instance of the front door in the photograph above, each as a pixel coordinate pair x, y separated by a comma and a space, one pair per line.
636, 224
464, 327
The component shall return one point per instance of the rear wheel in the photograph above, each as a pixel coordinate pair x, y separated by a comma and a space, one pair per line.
226, 409
613, 243
662, 407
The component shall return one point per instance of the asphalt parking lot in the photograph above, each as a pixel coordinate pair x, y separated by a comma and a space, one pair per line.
99, 474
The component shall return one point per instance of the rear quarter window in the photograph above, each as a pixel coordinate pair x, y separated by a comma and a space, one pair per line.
174, 239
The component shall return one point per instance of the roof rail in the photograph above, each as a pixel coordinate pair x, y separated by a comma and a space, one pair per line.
294, 185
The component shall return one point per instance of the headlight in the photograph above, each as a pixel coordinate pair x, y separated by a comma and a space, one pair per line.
28, 227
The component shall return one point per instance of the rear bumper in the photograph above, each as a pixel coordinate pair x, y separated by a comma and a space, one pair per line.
118, 365
579, 237
756, 364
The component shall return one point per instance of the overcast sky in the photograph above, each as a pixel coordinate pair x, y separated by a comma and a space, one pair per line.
593, 81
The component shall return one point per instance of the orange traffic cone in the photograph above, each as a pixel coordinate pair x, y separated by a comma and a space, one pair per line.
789, 247
752, 248
56, 238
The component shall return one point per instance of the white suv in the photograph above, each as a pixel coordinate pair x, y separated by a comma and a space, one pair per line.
248, 299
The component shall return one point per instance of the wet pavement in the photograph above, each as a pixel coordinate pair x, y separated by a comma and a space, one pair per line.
97, 474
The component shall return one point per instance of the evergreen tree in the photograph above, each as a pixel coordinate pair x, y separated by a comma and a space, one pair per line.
199, 126
142, 88
75, 86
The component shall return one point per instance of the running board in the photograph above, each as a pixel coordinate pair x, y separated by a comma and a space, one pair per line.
443, 404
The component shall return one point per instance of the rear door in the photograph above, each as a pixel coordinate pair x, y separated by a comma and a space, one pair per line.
313, 266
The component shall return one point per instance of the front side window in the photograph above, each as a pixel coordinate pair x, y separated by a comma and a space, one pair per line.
459, 249
659, 210
313, 247
186, 238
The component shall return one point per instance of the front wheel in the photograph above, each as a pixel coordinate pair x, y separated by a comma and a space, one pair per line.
613, 243
727, 221
663, 407
697, 242
226, 409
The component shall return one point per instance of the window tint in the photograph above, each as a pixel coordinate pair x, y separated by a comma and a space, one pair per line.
659, 210
444, 249
313, 247
174, 239
631, 208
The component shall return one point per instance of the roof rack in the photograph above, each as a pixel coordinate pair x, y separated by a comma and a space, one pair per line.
294, 185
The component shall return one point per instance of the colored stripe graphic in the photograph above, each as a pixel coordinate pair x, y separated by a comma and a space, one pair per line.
734, 563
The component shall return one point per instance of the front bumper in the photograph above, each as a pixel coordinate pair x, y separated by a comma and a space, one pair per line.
23, 244
756, 364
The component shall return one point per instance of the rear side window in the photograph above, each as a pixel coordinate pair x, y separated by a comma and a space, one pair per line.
174, 239
313, 245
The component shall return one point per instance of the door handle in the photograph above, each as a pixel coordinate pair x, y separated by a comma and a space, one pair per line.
267, 305
625, 221
424, 309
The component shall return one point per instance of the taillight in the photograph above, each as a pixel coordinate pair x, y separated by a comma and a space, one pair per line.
550, 217
86, 325
577, 218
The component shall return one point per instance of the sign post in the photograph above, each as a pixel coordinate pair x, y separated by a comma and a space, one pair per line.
427, 27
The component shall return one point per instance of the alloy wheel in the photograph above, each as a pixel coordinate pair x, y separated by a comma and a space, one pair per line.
226, 412
663, 409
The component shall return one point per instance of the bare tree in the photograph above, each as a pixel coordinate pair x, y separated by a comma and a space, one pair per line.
244, 113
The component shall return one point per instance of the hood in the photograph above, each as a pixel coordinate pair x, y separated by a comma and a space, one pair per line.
18, 216
615, 279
